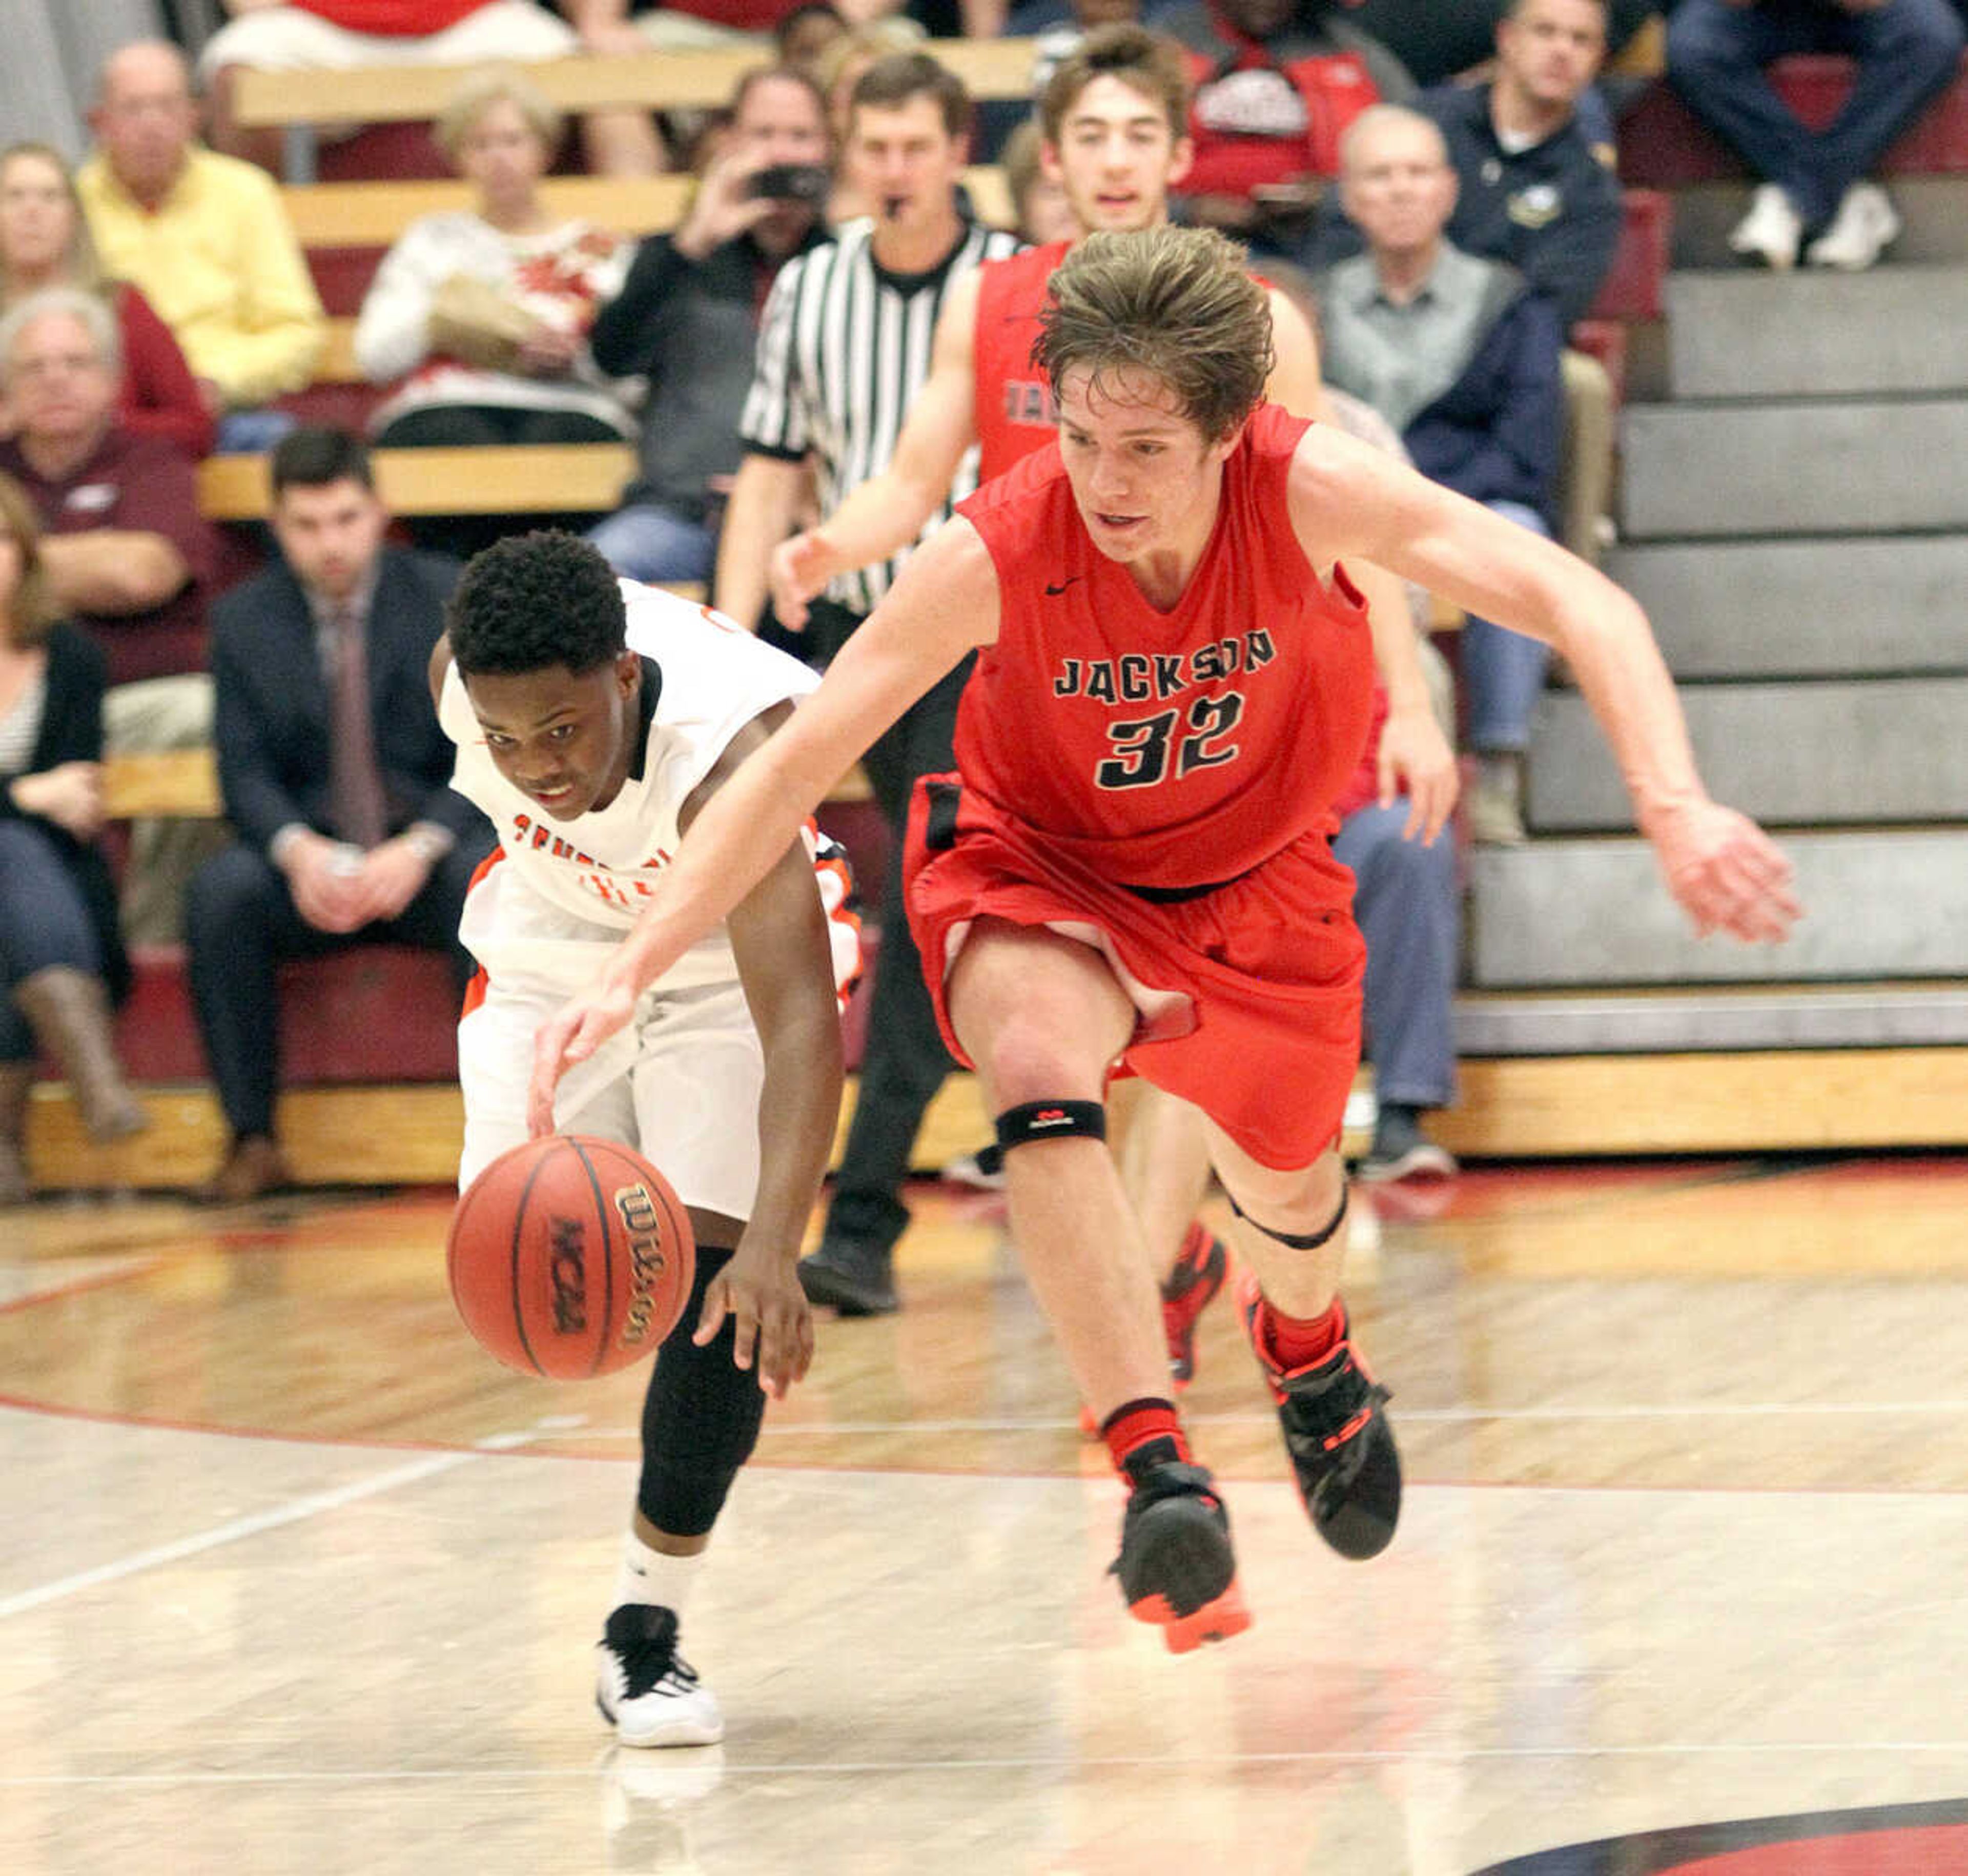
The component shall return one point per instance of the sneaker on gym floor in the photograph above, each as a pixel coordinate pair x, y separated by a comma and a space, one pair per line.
855, 1279
1333, 1415
1199, 1269
982, 1171
1401, 1151
1176, 1568
645, 1689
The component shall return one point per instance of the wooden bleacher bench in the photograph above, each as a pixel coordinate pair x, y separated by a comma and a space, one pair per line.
182, 784
537, 478
372, 214
659, 81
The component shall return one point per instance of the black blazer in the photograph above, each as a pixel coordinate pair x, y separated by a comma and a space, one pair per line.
272, 710
71, 731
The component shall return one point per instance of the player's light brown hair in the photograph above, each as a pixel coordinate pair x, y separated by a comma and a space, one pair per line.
1149, 63
1176, 301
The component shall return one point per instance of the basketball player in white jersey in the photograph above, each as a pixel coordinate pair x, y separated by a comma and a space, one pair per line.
594, 718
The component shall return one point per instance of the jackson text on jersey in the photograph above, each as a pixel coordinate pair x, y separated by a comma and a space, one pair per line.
1145, 749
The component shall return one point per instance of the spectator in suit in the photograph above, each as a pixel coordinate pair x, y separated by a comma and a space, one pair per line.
1460, 355
687, 321
45, 242
482, 314
335, 776
206, 238
1813, 194
349, 35
62, 963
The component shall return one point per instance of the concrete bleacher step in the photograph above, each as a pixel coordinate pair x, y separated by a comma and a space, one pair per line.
1829, 752
1834, 607
1795, 467
1879, 904
1817, 333
1732, 1018
1932, 212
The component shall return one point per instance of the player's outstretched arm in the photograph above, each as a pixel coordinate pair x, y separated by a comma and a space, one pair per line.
944, 603
779, 934
765, 497
889, 511
1727, 873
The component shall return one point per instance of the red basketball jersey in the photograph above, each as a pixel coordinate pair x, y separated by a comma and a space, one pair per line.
1015, 410
1174, 749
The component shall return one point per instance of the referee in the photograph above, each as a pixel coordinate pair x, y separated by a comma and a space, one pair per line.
843, 349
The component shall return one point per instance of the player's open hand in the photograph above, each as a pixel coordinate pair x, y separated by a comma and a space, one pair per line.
1727, 873
772, 1320
572, 1034
801, 568
1415, 759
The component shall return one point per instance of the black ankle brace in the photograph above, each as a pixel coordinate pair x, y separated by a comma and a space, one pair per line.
1298, 1241
1050, 1120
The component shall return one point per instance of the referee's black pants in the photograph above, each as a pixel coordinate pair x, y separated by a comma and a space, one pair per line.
904, 1062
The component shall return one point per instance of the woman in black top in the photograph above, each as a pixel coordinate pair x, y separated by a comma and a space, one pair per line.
61, 960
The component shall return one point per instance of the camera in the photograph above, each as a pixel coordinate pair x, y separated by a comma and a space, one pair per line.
808, 182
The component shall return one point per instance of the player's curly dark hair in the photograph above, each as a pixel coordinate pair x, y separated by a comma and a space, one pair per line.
533, 600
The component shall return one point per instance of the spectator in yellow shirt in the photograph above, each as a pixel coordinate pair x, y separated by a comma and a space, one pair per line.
205, 239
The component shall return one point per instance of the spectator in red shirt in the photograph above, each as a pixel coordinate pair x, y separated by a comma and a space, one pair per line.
44, 241
127, 555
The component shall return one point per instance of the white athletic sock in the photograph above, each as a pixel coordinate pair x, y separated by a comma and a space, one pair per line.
651, 1575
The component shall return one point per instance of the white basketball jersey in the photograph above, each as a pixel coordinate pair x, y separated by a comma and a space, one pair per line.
599, 869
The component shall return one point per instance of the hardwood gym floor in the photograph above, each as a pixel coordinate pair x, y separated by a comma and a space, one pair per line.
294, 1578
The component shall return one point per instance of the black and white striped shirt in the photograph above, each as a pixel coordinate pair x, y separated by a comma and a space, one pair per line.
842, 350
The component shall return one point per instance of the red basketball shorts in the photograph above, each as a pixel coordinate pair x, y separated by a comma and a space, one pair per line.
1249, 994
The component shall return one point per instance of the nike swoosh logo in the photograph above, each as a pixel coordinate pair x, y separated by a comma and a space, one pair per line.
1053, 592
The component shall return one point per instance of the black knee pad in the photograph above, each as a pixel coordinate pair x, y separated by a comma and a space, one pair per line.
701, 1418
1298, 1241
1050, 1120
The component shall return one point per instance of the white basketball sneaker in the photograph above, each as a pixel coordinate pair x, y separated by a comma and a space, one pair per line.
1771, 231
1866, 222
645, 1689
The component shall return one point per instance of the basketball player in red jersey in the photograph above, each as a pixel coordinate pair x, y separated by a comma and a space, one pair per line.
1173, 682
1114, 118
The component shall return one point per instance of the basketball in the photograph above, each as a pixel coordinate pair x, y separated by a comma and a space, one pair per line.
569, 1257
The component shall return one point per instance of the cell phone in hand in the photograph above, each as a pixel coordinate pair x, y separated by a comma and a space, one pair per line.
809, 182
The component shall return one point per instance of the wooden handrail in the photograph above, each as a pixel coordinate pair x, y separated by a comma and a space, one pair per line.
657, 81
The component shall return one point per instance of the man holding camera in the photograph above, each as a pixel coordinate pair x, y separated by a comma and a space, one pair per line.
845, 348
687, 316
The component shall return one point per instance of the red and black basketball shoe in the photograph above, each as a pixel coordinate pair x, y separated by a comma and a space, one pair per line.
1200, 1268
1332, 1412
1176, 1568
